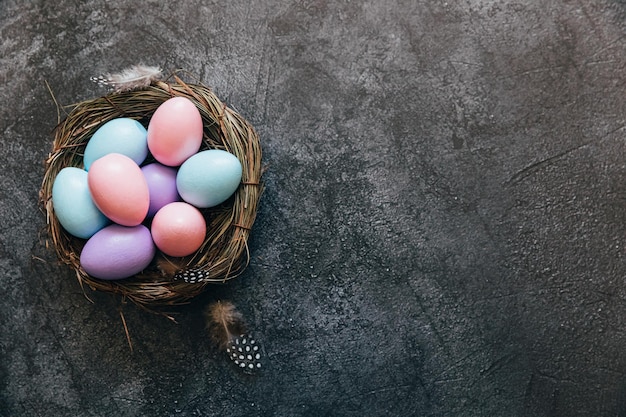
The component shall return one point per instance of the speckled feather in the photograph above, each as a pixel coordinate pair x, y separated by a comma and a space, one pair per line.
133, 78
228, 331
192, 275
177, 270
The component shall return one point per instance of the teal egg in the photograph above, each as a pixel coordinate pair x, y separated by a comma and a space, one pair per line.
208, 178
122, 135
73, 205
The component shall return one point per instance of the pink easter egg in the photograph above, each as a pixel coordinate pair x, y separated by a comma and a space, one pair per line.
175, 131
119, 189
178, 229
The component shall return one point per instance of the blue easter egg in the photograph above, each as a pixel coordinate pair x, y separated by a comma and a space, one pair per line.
73, 206
122, 135
209, 178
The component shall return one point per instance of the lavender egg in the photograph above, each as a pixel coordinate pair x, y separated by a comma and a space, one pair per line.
161, 181
117, 252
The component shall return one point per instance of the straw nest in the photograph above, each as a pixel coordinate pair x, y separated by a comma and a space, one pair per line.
224, 253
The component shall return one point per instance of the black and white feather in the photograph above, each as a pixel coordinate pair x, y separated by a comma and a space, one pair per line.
245, 353
228, 331
172, 268
192, 275
133, 78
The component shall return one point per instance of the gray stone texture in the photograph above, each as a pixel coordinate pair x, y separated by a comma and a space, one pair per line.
442, 231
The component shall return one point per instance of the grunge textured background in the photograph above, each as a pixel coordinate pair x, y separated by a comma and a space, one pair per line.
442, 231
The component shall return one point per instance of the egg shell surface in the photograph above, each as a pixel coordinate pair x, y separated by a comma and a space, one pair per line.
119, 189
73, 206
178, 229
209, 178
117, 252
175, 131
122, 135
161, 181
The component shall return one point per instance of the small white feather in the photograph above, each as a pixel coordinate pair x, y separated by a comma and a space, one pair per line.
133, 78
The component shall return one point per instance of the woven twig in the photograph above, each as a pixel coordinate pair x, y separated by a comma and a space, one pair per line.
224, 253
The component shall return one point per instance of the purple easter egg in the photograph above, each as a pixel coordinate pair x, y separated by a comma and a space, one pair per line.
161, 181
117, 252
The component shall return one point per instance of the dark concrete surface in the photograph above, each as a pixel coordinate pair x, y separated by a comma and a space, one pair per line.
442, 232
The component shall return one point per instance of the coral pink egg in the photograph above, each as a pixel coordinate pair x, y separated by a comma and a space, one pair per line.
119, 189
175, 131
178, 229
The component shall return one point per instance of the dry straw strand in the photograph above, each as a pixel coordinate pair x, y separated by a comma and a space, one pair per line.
224, 253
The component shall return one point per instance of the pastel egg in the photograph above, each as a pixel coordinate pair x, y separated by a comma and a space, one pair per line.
175, 131
119, 189
117, 252
73, 206
161, 181
209, 178
178, 229
121, 135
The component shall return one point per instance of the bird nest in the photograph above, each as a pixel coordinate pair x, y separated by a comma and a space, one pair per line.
224, 253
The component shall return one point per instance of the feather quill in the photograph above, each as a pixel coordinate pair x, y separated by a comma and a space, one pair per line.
133, 78
228, 330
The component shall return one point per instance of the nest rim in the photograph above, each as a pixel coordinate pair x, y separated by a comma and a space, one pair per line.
224, 253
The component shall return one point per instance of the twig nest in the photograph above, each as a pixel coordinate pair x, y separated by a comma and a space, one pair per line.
222, 254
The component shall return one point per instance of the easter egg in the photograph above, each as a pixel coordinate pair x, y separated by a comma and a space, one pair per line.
161, 181
175, 131
178, 229
209, 178
121, 135
117, 252
73, 206
119, 189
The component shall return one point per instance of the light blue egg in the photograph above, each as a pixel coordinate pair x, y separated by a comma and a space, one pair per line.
73, 205
122, 135
209, 178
